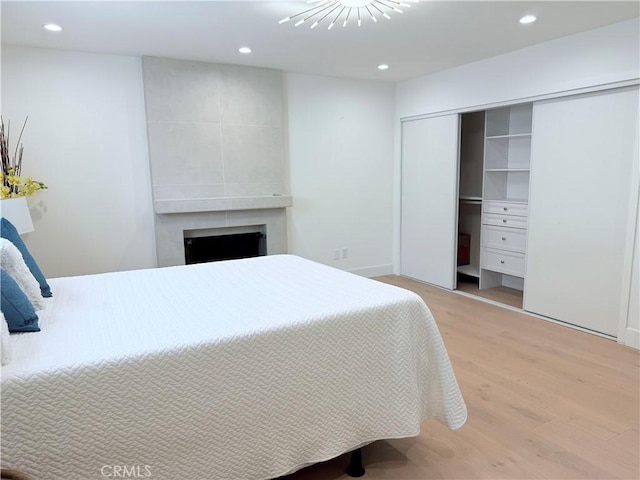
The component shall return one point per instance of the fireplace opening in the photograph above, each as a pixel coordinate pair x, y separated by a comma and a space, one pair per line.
224, 247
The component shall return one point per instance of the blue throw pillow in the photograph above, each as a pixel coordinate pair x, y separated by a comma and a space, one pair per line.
16, 307
8, 231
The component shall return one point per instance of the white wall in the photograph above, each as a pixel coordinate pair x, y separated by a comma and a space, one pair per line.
629, 334
632, 330
604, 55
341, 167
86, 139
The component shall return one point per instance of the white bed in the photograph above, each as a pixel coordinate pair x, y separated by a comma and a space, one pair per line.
246, 369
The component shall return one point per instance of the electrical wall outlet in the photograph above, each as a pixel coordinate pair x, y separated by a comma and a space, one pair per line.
336, 254
344, 252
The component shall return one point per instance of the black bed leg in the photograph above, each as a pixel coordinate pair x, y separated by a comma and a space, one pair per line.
355, 468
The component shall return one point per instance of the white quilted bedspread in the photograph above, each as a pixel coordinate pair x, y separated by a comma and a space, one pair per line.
246, 369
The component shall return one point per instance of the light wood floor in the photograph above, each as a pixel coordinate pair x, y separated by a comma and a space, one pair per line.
506, 295
544, 401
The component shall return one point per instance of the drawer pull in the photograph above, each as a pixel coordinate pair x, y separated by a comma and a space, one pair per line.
504, 220
501, 261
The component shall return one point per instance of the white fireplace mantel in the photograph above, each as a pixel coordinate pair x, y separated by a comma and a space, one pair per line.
220, 204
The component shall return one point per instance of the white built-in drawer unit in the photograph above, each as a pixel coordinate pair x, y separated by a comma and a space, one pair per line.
511, 263
504, 237
512, 239
506, 208
504, 220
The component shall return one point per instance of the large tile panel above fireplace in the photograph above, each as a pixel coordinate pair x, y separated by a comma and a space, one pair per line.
216, 146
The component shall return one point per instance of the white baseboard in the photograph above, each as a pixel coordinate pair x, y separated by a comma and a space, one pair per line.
632, 338
375, 271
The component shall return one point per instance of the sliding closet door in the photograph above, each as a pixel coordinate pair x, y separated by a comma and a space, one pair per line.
582, 157
429, 193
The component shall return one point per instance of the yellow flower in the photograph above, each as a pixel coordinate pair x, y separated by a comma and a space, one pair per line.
13, 180
14, 186
11, 184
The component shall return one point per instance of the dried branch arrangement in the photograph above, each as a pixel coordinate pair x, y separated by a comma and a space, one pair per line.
11, 182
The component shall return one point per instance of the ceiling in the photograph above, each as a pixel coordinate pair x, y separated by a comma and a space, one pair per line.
430, 36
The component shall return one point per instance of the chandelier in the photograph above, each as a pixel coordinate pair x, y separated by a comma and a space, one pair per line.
346, 10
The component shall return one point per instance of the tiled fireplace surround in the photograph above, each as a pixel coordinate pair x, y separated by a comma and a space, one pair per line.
171, 228
216, 146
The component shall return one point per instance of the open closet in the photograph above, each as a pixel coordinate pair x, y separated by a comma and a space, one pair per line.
530, 205
493, 196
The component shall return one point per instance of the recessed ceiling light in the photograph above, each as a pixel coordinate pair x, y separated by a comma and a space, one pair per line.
528, 19
244, 50
383, 66
52, 27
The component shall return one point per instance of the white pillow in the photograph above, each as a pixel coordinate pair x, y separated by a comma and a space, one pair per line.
5, 350
13, 263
